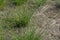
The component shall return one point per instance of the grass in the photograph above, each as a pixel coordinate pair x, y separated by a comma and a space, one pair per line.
1, 4
18, 2
23, 15
29, 36
20, 18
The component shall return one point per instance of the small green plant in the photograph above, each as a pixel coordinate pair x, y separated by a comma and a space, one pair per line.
1, 4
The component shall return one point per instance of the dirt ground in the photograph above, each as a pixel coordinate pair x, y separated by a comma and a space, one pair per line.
47, 20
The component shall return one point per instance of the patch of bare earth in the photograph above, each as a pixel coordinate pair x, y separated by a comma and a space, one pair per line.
47, 20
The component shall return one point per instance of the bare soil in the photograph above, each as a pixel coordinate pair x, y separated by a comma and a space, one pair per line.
47, 20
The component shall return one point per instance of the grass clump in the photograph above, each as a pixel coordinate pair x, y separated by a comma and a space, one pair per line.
21, 17
26, 11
